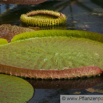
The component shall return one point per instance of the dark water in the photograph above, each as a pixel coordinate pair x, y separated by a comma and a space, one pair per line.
84, 15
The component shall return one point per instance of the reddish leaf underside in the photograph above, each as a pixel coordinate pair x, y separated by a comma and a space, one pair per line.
8, 32
51, 74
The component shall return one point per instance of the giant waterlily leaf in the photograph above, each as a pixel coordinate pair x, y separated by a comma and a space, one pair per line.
14, 90
53, 56
52, 53
43, 18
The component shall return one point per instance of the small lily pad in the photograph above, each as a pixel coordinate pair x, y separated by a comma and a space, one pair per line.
14, 90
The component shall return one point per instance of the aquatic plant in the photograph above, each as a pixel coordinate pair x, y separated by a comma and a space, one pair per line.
3, 41
53, 54
14, 90
23, 2
52, 33
43, 18
7, 31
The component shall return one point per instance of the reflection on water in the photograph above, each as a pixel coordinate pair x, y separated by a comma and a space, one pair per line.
63, 27
66, 84
48, 90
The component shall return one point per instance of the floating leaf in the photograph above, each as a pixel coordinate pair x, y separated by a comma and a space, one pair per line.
53, 54
3, 41
43, 18
14, 90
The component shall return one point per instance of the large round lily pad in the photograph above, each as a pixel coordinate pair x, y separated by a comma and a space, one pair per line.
52, 56
14, 90
52, 53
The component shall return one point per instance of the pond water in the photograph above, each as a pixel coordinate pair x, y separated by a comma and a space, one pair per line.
84, 15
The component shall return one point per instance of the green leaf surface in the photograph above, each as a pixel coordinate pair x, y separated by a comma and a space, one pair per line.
14, 90
52, 53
